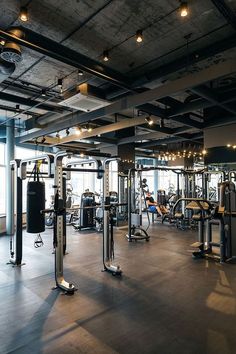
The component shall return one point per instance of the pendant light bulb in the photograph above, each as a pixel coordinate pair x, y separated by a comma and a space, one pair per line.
149, 120
183, 9
105, 55
23, 15
139, 36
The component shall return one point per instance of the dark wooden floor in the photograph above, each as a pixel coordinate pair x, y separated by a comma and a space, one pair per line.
165, 302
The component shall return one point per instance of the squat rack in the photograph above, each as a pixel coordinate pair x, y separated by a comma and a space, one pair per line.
103, 171
18, 174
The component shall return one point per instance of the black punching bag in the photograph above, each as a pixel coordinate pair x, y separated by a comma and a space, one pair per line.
35, 203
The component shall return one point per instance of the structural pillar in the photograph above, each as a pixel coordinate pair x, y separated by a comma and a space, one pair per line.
156, 177
10, 155
126, 152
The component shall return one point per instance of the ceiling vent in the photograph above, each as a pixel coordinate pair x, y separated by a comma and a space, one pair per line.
85, 98
11, 52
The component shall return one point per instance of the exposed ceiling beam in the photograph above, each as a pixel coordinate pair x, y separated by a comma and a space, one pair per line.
174, 139
191, 58
105, 140
29, 102
220, 121
201, 103
226, 11
186, 120
126, 123
52, 49
211, 96
147, 136
13, 109
182, 84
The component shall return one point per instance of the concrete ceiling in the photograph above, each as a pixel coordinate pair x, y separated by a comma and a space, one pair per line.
173, 48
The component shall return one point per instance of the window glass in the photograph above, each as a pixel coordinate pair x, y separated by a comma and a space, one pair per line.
168, 181
2, 154
149, 175
23, 153
3, 190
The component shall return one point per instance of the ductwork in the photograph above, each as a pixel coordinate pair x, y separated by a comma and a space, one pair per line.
6, 69
10, 54
11, 51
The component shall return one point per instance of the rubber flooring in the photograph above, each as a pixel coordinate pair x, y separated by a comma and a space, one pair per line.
165, 301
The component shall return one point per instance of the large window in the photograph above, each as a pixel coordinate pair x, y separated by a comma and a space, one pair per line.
167, 180
2, 179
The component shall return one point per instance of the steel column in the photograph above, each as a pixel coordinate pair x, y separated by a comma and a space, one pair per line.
10, 152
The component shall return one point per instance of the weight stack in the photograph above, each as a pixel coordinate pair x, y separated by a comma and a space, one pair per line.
35, 222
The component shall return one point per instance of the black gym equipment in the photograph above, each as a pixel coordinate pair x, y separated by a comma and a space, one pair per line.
20, 173
16, 238
87, 215
35, 203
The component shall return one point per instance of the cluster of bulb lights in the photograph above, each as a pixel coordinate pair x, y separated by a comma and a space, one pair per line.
170, 156
127, 161
183, 10
78, 131
231, 146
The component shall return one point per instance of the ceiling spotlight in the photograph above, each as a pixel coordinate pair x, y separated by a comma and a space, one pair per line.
17, 108
80, 73
67, 132
78, 131
139, 36
149, 120
204, 152
228, 145
81, 154
90, 129
2, 42
105, 55
43, 92
183, 8
59, 84
23, 15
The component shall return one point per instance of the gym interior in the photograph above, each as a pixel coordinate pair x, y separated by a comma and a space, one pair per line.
118, 176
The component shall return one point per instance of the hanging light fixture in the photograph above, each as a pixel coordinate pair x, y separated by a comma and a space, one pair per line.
162, 123
43, 92
2, 42
149, 120
67, 132
59, 84
17, 108
23, 15
139, 36
105, 55
58, 135
183, 8
80, 73
78, 131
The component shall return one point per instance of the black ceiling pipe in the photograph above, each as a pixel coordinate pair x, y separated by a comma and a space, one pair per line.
66, 55
29, 102
226, 11
180, 63
6, 68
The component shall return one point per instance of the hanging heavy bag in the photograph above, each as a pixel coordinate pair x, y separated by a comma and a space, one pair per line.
35, 203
